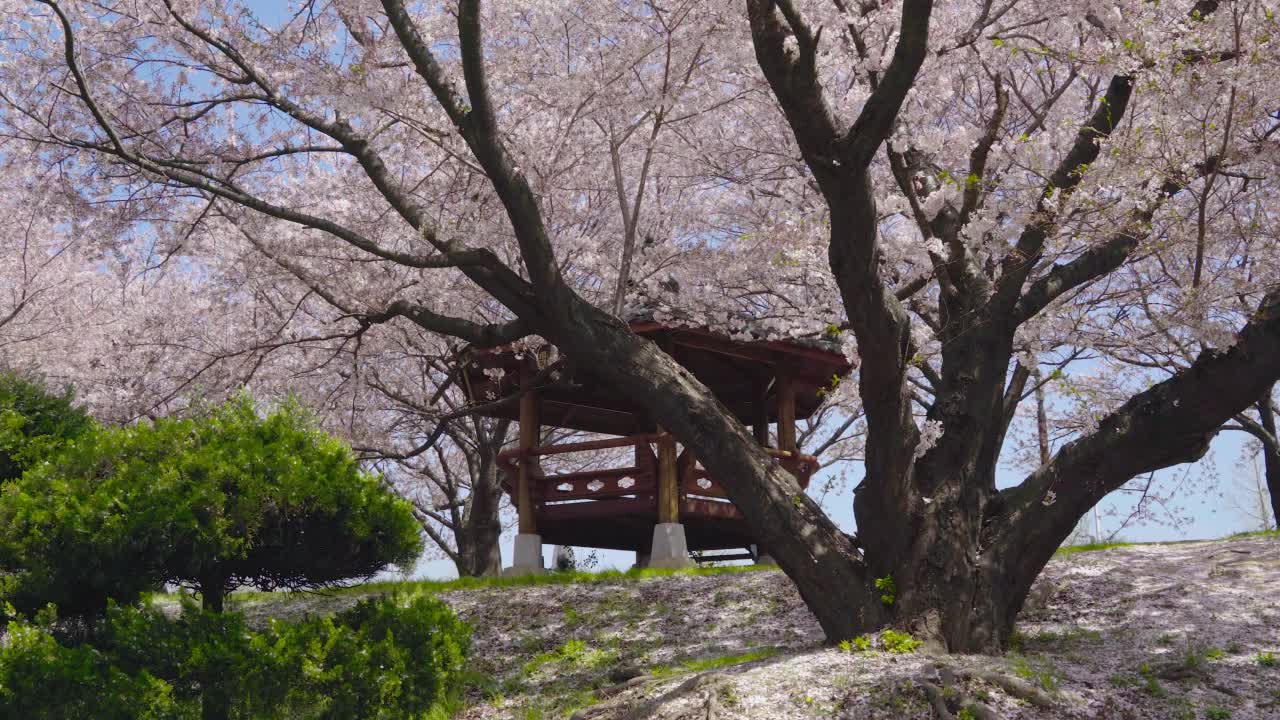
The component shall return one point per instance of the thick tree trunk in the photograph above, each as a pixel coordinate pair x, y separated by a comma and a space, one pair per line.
215, 702
213, 594
822, 561
481, 530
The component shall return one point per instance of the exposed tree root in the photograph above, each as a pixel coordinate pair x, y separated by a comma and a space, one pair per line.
948, 697
630, 710
937, 700
1012, 685
710, 706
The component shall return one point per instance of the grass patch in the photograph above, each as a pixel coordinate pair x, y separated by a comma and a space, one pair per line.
603, 577
244, 597
574, 653
1255, 533
553, 578
1093, 547
1039, 671
1068, 637
714, 663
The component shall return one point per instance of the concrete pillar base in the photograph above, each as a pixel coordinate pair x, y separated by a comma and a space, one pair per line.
766, 560
669, 549
528, 555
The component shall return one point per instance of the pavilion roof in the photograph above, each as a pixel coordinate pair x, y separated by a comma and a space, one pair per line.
740, 369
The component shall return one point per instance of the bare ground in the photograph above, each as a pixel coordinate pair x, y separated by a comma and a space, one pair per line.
1153, 632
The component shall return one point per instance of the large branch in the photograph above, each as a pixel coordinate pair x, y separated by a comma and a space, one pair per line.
478, 127
1170, 423
839, 161
483, 334
358, 145
1017, 264
793, 76
1102, 259
879, 113
876, 316
1261, 433
189, 174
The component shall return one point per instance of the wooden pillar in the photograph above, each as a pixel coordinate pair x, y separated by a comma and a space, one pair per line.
787, 421
530, 430
760, 423
668, 480
786, 412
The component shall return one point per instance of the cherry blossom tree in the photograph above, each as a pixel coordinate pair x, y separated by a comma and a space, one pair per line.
46, 286
956, 191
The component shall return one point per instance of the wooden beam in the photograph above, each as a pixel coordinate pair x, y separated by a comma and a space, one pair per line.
530, 430
700, 508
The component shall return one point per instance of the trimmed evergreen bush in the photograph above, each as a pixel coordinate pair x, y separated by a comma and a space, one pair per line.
214, 502
34, 422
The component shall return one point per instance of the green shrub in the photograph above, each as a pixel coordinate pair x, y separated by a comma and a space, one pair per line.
43, 680
384, 658
380, 659
197, 653
899, 642
34, 422
215, 502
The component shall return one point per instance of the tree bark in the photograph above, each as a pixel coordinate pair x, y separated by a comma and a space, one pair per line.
481, 529
213, 593
827, 569
215, 701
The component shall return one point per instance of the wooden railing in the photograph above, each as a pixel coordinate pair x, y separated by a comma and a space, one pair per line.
638, 481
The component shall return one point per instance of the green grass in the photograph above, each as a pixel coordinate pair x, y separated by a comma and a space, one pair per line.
715, 663
472, 583
1039, 671
573, 653
1093, 547
1255, 533
602, 577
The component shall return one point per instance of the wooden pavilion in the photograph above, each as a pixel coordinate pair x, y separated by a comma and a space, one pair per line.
663, 504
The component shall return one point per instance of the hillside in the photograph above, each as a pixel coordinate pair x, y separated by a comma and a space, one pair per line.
1185, 630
